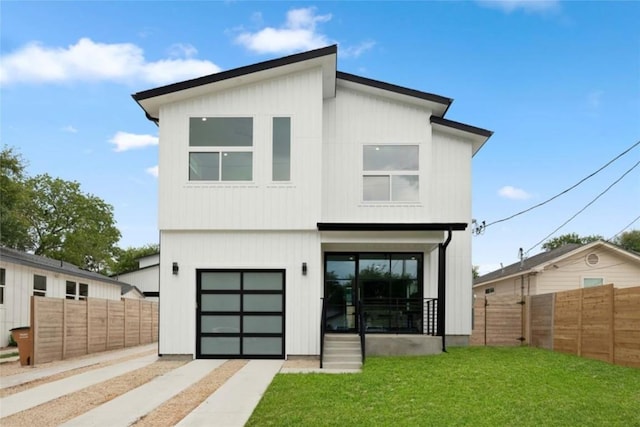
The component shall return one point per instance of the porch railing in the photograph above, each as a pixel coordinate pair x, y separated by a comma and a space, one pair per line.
399, 315
362, 330
323, 323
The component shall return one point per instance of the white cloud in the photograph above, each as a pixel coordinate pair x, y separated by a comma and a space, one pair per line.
125, 141
298, 33
513, 193
178, 50
69, 129
508, 6
356, 51
91, 61
153, 171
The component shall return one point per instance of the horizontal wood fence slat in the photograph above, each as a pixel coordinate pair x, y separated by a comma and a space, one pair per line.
600, 323
68, 328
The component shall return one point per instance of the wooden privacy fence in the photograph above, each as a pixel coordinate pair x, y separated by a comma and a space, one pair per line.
68, 328
601, 323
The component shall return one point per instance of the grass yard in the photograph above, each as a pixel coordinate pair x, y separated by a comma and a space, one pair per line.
474, 386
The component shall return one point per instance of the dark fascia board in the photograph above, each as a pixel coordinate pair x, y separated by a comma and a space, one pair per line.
394, 88
359, 226
151, 294
461, 126
236, 72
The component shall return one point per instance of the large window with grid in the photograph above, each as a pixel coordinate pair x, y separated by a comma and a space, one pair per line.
390, 173
221, 149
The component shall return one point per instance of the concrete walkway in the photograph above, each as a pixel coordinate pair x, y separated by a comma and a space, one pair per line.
36, 373
230, 406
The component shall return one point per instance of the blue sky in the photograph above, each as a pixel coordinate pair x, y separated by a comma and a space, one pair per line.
558, 83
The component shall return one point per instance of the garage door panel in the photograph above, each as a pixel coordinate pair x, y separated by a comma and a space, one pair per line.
220, 345
263, 324
262, 346
240, 313
220, 281
262, 302
221, 324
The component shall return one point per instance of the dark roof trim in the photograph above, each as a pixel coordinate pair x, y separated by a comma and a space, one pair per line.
151, 294
236, 72
394, 88
133, 271
461, 126
359, 226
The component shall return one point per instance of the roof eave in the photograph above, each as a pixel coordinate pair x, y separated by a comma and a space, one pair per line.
477, 136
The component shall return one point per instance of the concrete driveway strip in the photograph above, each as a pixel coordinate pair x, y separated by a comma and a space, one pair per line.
41, 394
232, 404
37, 373
127, 408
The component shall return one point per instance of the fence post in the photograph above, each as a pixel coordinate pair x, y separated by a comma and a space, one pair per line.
553, 315
64, 328
612, 329
86, 303
579, 339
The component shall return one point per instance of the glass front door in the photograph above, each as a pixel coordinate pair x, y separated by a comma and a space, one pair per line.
340, 293
388, 287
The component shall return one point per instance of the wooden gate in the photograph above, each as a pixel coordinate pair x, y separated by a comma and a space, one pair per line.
498, 321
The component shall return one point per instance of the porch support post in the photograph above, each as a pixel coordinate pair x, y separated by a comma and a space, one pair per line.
442, 288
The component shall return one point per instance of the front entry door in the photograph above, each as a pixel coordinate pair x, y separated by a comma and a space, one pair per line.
340, 292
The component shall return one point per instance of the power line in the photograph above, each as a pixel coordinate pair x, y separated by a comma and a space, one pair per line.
586, 206
480, 228
625, 227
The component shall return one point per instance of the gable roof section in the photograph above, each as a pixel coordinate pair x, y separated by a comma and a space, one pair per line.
22, 258
151, 100
436, 103
537, 262
478, 136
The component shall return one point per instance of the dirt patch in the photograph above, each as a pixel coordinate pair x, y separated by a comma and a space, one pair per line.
67, 407
173, 410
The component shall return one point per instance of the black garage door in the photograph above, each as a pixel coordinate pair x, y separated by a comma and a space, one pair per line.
240, 314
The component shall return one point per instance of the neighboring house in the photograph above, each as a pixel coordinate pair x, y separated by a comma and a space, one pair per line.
131, 292
287, 181
23, 275
146, 277
571, 266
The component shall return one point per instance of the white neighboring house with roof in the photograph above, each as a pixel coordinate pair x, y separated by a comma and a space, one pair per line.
23, 275
286, 182
568, 267
146, 278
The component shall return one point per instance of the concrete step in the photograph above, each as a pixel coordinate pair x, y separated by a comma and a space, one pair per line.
342, 350
342, 365
342, 337
342, 346
342, 358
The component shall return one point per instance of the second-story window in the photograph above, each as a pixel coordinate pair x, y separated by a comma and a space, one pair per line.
281, 166
220, 149
391, 173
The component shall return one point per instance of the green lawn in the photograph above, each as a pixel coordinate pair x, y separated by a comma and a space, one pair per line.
475, 386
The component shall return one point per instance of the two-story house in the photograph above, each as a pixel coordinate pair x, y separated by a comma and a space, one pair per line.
297, 200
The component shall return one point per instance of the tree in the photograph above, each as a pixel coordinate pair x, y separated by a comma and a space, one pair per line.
13, 226
559, 241
475, 271
629, 240
66, 224
127, 259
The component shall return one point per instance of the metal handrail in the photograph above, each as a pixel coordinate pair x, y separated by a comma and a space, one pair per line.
323, 322
362, 330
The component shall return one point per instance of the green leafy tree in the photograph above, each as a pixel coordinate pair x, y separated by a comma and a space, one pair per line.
475, 271
66, 224
559, 241
14, 229
127, 259
629, 240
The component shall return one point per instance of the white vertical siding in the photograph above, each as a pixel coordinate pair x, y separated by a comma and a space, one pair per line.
16, 310
145, 279
260, 204
240, 250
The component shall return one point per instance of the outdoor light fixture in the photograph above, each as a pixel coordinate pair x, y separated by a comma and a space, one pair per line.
175, 268
304, 268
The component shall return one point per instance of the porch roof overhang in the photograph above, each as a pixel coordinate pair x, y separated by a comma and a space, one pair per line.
382, 226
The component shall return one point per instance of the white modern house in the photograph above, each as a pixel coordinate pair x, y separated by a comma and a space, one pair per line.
145, 278
23, 275
296, 200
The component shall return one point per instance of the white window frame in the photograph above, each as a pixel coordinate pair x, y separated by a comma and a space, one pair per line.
583, 278
390, 174
489, 291
222, 150
39, 292
82, 297
3, 283
74, 295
